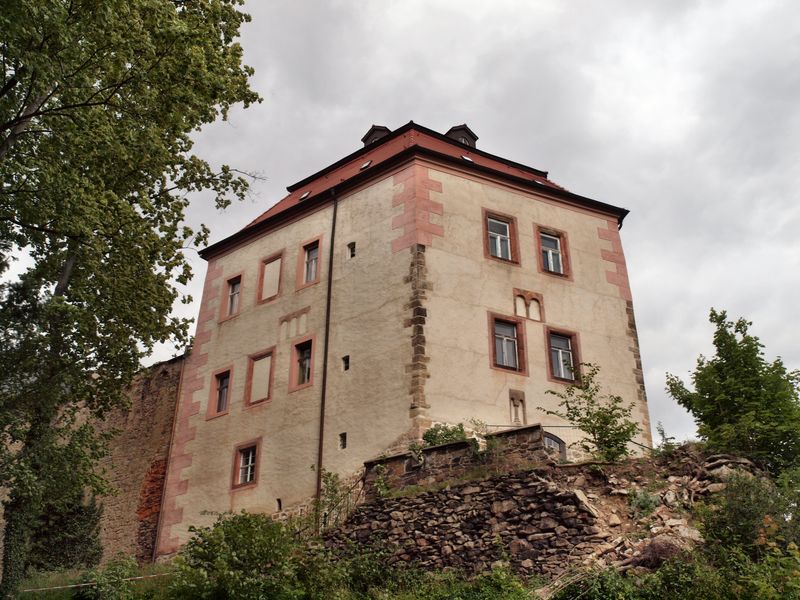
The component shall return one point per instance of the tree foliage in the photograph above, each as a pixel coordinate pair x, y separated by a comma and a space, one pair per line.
605, 420
98, 99
742, 403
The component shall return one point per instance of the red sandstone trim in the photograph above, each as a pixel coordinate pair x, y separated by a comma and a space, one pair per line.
294, 315
180, 457
415, 220
262, 267
618, 276
513, 233
293, 385
223, 304
211, 408
248, 384
522, 355
566, 263
576, 354
528, 297
300, 281
235, 486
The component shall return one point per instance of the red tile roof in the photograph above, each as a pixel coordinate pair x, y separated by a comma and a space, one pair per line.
408, 139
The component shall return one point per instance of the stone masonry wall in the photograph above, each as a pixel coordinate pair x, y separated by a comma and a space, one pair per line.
136, 465
513, 448
537, 525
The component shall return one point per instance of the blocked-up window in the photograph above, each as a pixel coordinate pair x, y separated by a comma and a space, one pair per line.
270, 278
260, 378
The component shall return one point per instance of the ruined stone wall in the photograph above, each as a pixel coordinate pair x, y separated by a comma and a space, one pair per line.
508, 450
137, 463
534, 523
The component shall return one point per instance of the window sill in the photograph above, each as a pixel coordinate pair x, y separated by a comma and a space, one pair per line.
229, 317
244, 486
260, 402
509, 370
505, 261
302, 386
213, 416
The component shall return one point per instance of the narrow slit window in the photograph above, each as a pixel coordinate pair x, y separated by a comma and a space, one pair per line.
279, 503
351, 250
346, 363
343, 440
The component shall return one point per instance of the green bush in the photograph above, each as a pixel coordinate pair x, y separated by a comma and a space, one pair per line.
752, 514
642, 503
111, 581
605, 420
241, 557
444, 434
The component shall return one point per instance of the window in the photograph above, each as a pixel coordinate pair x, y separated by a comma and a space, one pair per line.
302, 368
270, 278
553, 252
247, 465
223, 385
303, 363
308, 263
346, 363
234, 292
311, 258
555, 445
500, 237
259, 377
351, 250
343, 440
507, 343
279, 503
562, 359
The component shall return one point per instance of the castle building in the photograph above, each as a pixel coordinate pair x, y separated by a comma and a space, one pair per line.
418, 280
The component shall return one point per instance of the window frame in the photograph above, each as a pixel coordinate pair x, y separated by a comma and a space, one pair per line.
260, 299
294, 367
225, 312
566, 264
522, 354
248, 390
236, 484
513, 234
300, 278
213, 394
574, 349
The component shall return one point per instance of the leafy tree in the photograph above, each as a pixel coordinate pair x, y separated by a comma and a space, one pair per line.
741, 402
442, 433
604, 419
98, 99
67, 538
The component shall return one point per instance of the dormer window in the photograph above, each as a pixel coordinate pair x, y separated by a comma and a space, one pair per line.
463, 135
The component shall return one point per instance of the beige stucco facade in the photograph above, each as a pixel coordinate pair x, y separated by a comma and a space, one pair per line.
407, 293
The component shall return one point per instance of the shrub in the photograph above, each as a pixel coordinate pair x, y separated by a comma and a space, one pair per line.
642, 503
604, 419
444, 434
241, 557
752, 514
111, 581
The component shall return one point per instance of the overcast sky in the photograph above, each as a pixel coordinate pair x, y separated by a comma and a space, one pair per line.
686, 113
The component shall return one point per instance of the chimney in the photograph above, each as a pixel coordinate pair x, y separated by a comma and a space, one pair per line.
463, 135
375, 133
